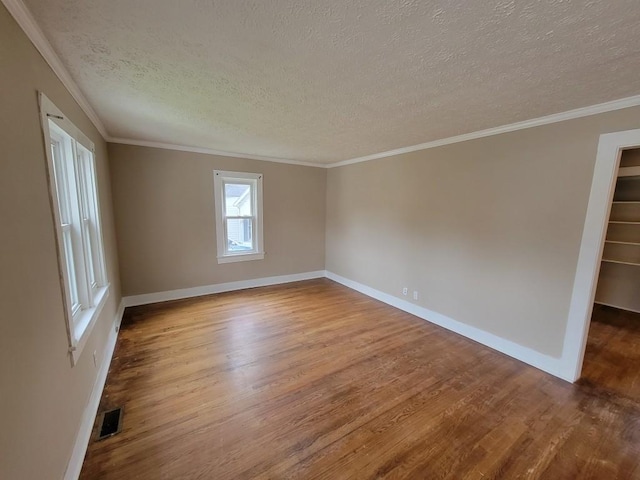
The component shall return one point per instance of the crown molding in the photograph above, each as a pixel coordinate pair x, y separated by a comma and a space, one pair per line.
209, 151
512, 127
25, 20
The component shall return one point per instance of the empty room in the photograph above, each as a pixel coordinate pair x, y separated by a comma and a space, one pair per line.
320, 239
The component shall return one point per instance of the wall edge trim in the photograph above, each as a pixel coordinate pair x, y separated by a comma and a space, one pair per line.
588, 111
29, 25
546, 363
22, 15
527, 355
209, 151
605, 172
146, 298
74, 466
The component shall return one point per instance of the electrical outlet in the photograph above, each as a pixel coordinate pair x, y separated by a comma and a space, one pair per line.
95, 358
415, 294
405, 290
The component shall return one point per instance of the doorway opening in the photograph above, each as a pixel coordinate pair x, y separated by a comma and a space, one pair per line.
612, 355
611, 148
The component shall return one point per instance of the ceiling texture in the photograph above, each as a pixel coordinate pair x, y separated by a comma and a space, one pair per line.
329, 80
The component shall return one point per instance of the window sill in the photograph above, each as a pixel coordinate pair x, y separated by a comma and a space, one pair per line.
241, 257
85, 324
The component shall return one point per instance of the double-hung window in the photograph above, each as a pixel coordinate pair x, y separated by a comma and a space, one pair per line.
74, 201
238, 203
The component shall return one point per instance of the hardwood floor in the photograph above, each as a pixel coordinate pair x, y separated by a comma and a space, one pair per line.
312, 380
612, 359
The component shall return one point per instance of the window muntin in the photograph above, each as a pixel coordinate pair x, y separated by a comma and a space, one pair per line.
238, 203
74, 201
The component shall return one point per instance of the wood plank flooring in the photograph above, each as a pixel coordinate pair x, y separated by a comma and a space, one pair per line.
312, 380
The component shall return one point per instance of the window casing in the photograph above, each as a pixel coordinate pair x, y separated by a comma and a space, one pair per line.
76, 212
238, 205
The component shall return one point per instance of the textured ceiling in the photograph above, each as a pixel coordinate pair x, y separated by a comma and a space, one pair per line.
329, 80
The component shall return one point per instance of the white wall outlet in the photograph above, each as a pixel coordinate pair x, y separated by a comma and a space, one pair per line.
95, 358
405, 290
415, 294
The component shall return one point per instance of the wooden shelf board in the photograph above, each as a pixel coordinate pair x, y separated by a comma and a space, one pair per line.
628, 171
619, 242
621, 263
624, 223
626, 202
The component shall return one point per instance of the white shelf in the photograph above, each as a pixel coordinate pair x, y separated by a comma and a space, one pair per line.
621, 263
629, 171
620, 269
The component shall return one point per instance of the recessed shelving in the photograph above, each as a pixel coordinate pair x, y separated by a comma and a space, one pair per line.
619, 281
629, 171
618, 242
620, 262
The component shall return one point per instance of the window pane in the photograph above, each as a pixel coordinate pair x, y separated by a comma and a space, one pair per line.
60, 174
86, 225
237, 199
239, 234
68, 254
85, 181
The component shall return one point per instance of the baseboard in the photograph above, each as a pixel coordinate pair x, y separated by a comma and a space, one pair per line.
617, 306
88, 416
527, 355
144, 299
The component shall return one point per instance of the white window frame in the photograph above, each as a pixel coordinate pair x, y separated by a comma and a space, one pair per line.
220, 178
73, 193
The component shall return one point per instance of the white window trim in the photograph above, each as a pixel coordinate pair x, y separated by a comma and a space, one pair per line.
219, 176
78, 327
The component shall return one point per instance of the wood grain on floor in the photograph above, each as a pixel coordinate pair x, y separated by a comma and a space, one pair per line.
312, 380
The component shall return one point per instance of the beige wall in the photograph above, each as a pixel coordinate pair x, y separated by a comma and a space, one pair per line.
164, 211
42, 397
488, 231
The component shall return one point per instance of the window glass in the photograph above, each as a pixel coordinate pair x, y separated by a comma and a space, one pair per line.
238, 207
73, 190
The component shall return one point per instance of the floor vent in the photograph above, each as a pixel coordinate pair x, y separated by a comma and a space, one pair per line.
111, 423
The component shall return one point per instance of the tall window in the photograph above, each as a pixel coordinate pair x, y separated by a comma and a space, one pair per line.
238, 202
74, 199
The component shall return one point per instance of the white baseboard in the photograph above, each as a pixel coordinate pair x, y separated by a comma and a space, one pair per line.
144, 299
617, 306
549, 364
546, 363
543, 362
89, 415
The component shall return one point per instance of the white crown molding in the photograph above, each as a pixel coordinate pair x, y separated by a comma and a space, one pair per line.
512, 127
594, 232
25, 19
208, 151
